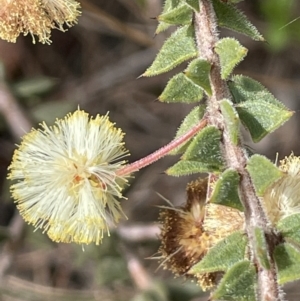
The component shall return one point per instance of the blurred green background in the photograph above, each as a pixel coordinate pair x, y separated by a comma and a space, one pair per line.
95, 65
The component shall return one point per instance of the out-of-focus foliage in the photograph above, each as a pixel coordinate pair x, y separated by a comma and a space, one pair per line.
281, 21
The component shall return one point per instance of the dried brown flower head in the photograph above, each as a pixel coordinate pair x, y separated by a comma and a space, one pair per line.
36, 17
183, 238
190, 231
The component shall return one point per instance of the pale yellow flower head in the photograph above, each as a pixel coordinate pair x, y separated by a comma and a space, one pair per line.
66, 177
282, 199
36, 17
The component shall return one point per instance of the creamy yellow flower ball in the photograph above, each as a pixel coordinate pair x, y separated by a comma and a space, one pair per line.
66, 177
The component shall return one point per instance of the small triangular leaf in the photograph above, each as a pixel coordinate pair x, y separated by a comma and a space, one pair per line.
181, 89
229, 17
238, 284
244, 88
259, 111
188, 167
232, 120
261, 248
230, 52
194, 4
198, 71
162, 26
223, 255
289, 227
169, 5
179, 47
263, 173
287, 259
189, 121
205, 148
226, 190
181, 15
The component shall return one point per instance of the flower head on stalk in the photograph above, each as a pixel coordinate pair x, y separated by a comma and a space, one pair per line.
36, 17
66, 177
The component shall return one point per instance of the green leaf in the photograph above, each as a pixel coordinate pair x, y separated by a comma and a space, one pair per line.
261, 118
244, 87
261, 248
169, 5
189, 121
263, 173
223, 255
198, 71
179, 47
259, 111
194, 4
287, 259
181, 89
229, 17
231, 52
181, 15
289, 227
238, 284
188, 167
205, 148
232, 120
226, 190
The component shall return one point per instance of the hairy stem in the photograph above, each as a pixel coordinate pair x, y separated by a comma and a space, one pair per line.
235, 156
137, 165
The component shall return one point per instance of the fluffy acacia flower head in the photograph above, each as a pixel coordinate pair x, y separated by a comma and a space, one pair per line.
67, 181
36, 17
282, 199
190, 231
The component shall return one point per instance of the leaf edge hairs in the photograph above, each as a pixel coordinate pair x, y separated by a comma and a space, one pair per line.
67, 181
36, 17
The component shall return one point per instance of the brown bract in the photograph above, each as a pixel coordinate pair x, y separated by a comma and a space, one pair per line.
36, 17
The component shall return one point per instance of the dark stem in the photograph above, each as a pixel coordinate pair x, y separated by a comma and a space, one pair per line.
235, 156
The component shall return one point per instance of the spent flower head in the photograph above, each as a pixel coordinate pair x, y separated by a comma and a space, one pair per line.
282, 199
36, 17
66, 177
190, 231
